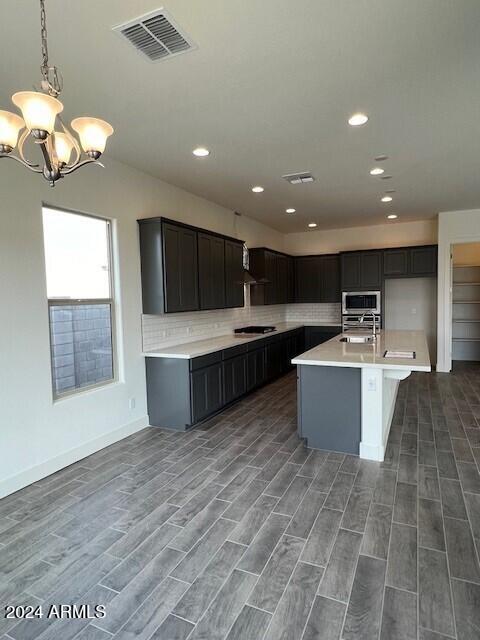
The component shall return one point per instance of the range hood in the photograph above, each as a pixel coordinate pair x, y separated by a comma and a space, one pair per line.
249, 279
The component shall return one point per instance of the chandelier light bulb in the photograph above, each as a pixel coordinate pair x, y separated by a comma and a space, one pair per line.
38, 110
10, 127
63, 147
93, 134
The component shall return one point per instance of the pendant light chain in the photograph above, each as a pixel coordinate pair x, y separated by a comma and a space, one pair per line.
52, 80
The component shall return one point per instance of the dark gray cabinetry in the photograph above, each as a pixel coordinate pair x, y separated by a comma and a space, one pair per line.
276, 269
307, 279
187, 269
317, 335
234, 290
410, 262
211, 271
182, 393
180, 268
317, 278
207, 391
255, 368
169, 267
395, 262
423, 261
235, 377
362, 270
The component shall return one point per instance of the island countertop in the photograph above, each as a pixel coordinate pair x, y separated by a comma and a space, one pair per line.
335, 353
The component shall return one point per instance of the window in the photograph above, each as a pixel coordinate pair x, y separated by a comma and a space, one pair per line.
80, 299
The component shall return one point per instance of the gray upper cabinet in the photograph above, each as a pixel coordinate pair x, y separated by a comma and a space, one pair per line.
307, 279
211, 271
276, 270
188, 269
362, 270
395, 262
330, 279
234, 289
169, 267
410, 262
423, 261
350, 270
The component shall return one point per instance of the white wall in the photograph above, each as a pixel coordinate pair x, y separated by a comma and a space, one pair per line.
411, 303
395, 234
453, 227
38, 436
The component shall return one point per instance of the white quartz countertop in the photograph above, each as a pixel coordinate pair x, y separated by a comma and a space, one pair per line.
347, 354
189, 350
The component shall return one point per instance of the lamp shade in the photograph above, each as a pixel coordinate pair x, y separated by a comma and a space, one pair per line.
10, 126
93, 133
38, 109
63, 147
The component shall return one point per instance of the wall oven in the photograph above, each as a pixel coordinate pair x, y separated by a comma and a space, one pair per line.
357, 302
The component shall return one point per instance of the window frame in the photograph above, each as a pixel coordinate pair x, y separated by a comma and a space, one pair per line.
68, 302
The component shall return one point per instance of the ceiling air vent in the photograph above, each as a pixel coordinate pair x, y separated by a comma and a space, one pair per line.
299, 178
156, 36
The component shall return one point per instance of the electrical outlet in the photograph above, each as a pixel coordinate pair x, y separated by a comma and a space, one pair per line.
372, 384
131, 403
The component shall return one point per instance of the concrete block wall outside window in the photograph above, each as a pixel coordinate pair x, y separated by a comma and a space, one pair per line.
81, 339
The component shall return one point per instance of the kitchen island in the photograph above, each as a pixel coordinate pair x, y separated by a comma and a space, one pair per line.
347, 391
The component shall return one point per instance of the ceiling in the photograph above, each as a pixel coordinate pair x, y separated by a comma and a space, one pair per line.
269, 91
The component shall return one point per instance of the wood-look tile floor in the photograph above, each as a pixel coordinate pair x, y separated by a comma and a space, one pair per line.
236, 531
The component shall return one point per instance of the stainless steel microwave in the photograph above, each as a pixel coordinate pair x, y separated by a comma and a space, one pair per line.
357, 302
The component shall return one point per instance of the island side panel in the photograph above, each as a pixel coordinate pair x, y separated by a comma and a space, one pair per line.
168, 393
329, 406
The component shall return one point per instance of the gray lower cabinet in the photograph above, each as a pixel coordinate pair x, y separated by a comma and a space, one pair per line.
207, 391
234, 378
255, 368
181, 393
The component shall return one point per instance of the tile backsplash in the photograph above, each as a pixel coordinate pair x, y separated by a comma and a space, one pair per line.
173, 328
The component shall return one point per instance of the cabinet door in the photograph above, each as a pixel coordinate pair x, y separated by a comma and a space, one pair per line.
290, 280
207, 391
350, 271
330, 279
371, 269
274, 359
423, 261
234, 289
234, 378
211, 271
180, 268
282, 279
307, 279
255, 368
271, 286
395, 262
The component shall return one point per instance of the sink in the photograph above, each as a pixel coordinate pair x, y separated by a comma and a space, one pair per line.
358, 339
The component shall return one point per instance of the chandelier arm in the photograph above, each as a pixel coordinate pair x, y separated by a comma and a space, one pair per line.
33, 167
76, 146
67, 171
21, 143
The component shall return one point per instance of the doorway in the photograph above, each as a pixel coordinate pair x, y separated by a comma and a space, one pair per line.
465, 311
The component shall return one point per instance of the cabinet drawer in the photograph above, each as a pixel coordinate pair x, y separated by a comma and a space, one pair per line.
234, 351
205, 361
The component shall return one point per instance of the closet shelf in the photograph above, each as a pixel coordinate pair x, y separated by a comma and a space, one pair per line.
462, 320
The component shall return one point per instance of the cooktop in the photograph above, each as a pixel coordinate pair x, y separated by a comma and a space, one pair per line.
255, 329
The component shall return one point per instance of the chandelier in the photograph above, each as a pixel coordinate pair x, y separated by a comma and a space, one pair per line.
62, 154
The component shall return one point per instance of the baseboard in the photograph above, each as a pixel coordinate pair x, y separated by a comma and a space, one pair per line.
36, 473
372, 452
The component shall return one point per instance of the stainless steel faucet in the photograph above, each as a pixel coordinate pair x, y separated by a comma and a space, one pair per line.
374, 324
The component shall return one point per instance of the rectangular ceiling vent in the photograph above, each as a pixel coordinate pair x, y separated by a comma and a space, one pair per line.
156, 36
299, 178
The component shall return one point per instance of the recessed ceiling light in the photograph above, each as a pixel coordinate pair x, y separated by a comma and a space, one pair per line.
201, 152
387, 199
357, 119
290, 210
258, 189
392, 216
377, 171
312, 225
